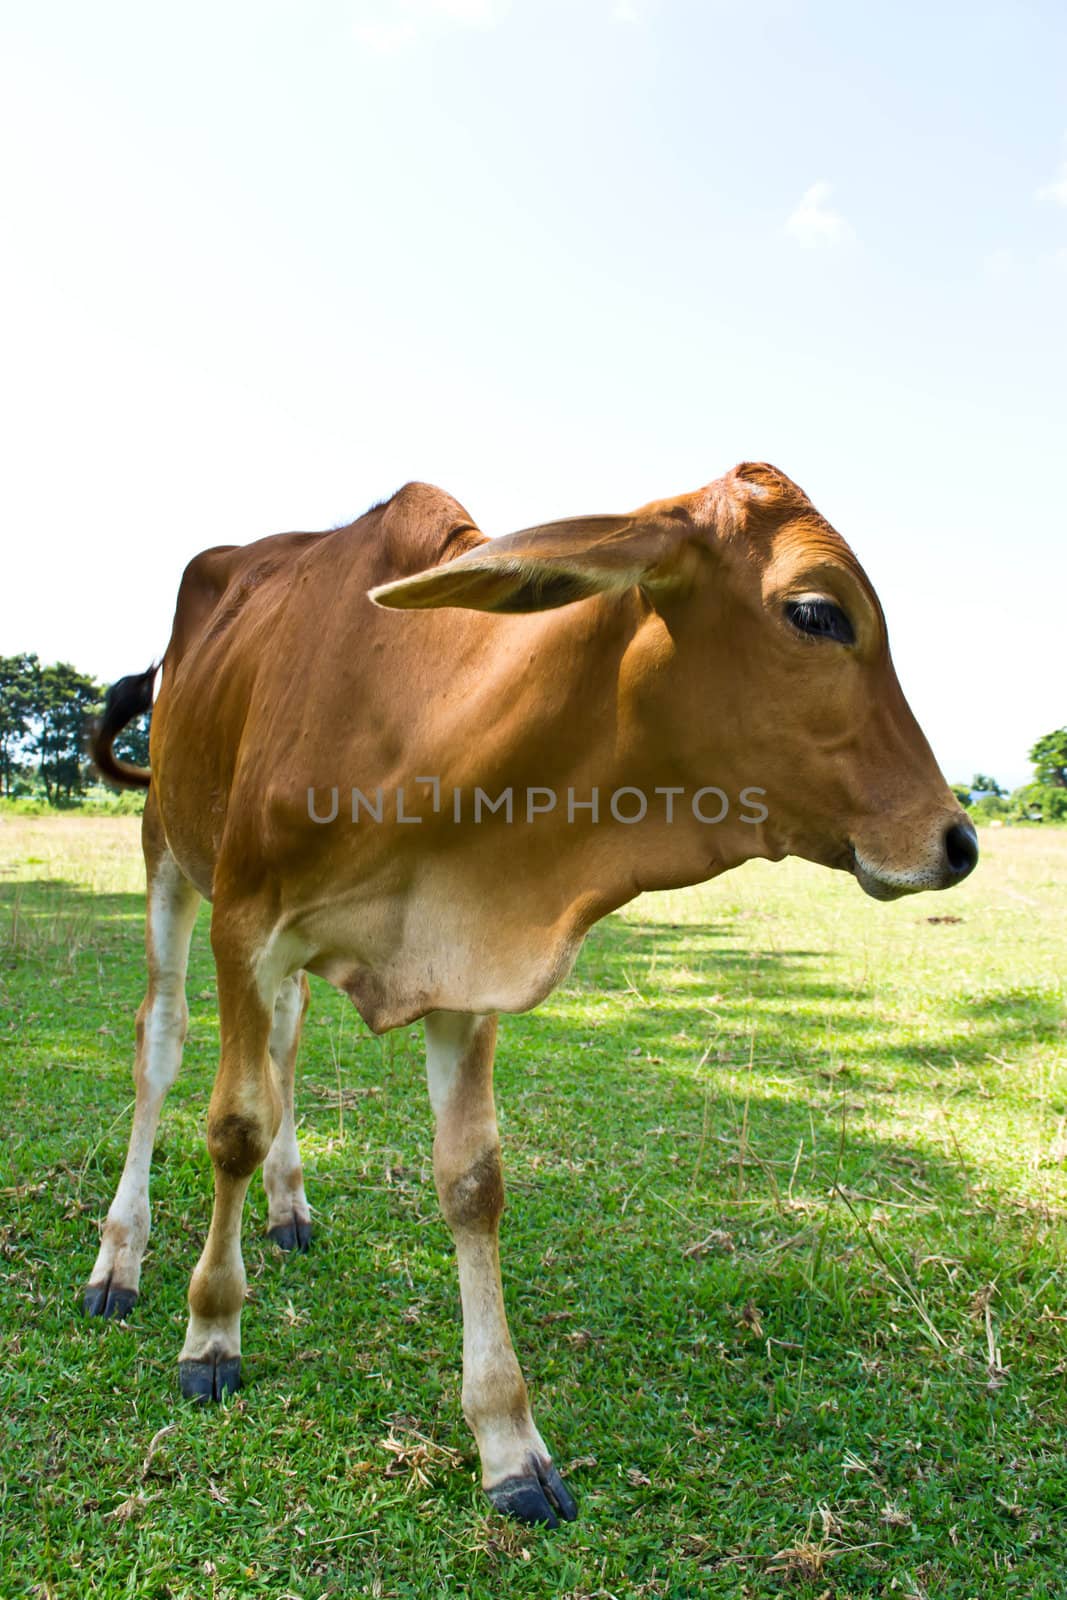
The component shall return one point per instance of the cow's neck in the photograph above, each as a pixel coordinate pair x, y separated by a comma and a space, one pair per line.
567, 703
585, 699
493, 913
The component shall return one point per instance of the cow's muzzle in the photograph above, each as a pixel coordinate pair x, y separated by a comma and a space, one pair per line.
954, 858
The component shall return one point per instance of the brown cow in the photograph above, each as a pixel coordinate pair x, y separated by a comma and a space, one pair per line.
431, 810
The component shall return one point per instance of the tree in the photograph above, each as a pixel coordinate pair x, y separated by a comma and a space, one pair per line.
132, 743
19, 690
67, 699
1039, 802
1049, 756
989, 806
962, 793
44, 718
982, 784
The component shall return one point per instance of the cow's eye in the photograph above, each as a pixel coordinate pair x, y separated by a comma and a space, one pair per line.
823, 619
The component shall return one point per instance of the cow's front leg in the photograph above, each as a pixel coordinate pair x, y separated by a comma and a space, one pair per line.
243, 1119
288, 1215
517, 1470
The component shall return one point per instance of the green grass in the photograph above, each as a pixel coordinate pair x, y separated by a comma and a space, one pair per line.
784, 1257
97, 801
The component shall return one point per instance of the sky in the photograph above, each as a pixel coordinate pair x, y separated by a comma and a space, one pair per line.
264, 263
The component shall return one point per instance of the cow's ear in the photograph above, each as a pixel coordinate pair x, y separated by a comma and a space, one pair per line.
541, 568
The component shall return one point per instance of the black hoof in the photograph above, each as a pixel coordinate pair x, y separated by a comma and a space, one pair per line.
539, 1496
108, 1300
204, 1381
292, 1235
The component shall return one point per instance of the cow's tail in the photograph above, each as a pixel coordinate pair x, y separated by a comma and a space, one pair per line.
127, 699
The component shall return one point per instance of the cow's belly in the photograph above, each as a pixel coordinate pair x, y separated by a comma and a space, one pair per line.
397, 962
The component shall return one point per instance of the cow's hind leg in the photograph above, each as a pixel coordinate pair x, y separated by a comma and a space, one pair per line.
288, 1216
161, 1026
517, 1470
243, 1118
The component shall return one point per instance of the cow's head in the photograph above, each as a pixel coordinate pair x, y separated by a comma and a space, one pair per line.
761, 662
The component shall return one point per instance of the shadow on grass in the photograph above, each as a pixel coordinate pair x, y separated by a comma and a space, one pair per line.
682, 1005
666, 1037
698, 980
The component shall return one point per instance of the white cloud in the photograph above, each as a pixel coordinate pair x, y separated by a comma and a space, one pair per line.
625, 11
385, 26
814, 224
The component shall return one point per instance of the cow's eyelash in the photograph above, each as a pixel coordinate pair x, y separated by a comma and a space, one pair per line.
820, 619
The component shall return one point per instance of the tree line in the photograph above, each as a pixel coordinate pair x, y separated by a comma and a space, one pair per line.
45, 712
1043, 799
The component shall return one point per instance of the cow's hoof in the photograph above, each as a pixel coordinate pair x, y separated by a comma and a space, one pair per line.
204, 1381
108, 1300
292, 1235
539, 1496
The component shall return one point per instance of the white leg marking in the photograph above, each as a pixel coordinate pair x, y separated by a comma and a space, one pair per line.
283, 1176
467, 1169
161, 1027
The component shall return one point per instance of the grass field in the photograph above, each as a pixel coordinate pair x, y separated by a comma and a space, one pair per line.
784, 1255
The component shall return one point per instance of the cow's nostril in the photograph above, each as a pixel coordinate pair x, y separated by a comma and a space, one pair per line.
961, 849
